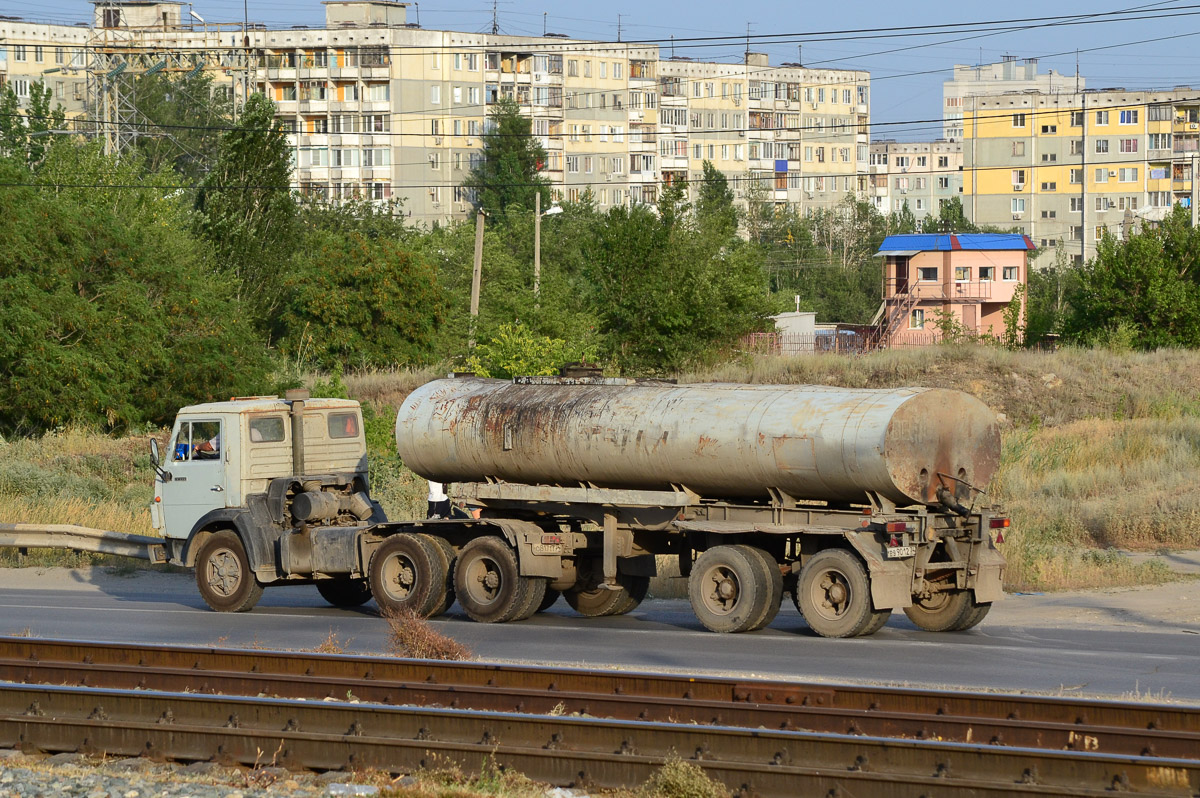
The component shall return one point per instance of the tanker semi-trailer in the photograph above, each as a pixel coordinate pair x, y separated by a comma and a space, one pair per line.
856, 502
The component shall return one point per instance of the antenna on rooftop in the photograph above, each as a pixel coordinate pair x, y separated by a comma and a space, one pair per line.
495, 24
619, 26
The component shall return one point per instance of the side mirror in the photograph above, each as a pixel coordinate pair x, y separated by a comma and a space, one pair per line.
155, 458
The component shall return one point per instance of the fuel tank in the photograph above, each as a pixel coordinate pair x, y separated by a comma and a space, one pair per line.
722, 441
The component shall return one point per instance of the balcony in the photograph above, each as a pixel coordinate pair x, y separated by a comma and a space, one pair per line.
1159, 155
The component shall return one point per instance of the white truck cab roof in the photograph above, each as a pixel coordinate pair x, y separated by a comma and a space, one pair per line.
263, 404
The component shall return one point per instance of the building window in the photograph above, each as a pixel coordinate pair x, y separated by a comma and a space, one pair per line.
1076, 204
916, 319
1010, 274
987, 274
1018, 179
962, 274
1102, 117
1049, 129
927, 274
1077, 119
1018, 149
1102, 175
943, 182
1050, 186
1018, 120
1018, 205
1049, 214
1129, 175
1129, 117
1101, 145
1049, 157
1129, 145
1076, 176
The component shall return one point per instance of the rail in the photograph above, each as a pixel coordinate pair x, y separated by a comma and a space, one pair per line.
749, 734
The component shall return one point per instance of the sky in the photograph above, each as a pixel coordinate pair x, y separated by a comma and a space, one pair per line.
1130, 44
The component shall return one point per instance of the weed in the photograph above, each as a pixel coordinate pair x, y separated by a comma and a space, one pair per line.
680, 779
330, 645
412, 636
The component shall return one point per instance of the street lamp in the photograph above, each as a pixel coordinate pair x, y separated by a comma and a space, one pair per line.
554, 208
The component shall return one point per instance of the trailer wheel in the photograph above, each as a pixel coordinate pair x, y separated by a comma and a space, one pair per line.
945, 611
446, 597
773, 579
728, 589
535, 593
406, 573
223, 574
834, 595
344, 592
488, 581
974, 617
600, 601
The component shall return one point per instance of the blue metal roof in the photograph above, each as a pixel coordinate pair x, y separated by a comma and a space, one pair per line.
942, 242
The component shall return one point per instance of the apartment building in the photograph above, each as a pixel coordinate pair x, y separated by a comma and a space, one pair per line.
54, 54
801, 133
1066, 167
923, 175
376, 106
1007, 76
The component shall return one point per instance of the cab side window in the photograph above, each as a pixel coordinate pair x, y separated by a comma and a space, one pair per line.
197, 440
266, 429
343, 425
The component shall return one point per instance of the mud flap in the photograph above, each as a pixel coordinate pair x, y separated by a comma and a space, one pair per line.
988, 579
891, 580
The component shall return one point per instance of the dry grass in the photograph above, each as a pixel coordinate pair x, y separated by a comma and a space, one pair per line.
389, 388
412, 636
330, 645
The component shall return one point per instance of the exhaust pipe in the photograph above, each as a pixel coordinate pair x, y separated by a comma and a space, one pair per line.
296, 398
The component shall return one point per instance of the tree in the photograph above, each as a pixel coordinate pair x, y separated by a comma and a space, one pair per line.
26, 138
666, 296
509, 172
182, 117
1146, 283
715, 212
111, 317
246, 208
359, 302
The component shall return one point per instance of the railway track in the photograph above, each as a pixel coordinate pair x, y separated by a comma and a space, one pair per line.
571, 726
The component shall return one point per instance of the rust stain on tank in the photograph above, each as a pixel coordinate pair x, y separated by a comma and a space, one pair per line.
703, 444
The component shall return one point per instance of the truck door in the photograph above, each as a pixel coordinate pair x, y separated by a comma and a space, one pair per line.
197, 468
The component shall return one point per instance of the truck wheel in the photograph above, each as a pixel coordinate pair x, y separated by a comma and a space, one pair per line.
406, 573
974, 617
728, 589
773, 579
834, 595
443, 547
223, 574
549, 600
600, 601
944, 611
535, 593
344, 592
488, 581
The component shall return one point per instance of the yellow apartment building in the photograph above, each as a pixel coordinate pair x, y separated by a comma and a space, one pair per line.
1067, 167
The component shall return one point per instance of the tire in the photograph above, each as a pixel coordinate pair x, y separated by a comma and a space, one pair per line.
549, 600
488, 582
728, 589
535, 593
600, 601
773, 579
443, 547
834, 595
344, 592
974, 617
223, 574
943, 611
406, 575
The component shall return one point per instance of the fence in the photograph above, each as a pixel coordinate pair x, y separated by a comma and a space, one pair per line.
843, 342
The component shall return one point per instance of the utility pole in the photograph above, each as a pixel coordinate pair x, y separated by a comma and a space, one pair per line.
619, 26
537, 242
495, 23
1195, 194
476, 277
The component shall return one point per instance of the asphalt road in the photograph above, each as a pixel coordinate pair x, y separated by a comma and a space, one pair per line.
1143, 643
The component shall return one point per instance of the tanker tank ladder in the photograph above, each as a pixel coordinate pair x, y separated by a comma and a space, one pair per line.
893, 310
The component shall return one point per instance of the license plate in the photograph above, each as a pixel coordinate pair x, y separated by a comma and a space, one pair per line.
898, 552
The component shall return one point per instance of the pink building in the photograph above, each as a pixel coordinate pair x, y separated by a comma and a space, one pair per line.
973, 278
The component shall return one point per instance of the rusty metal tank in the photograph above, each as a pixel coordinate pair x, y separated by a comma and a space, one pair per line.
723, 441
